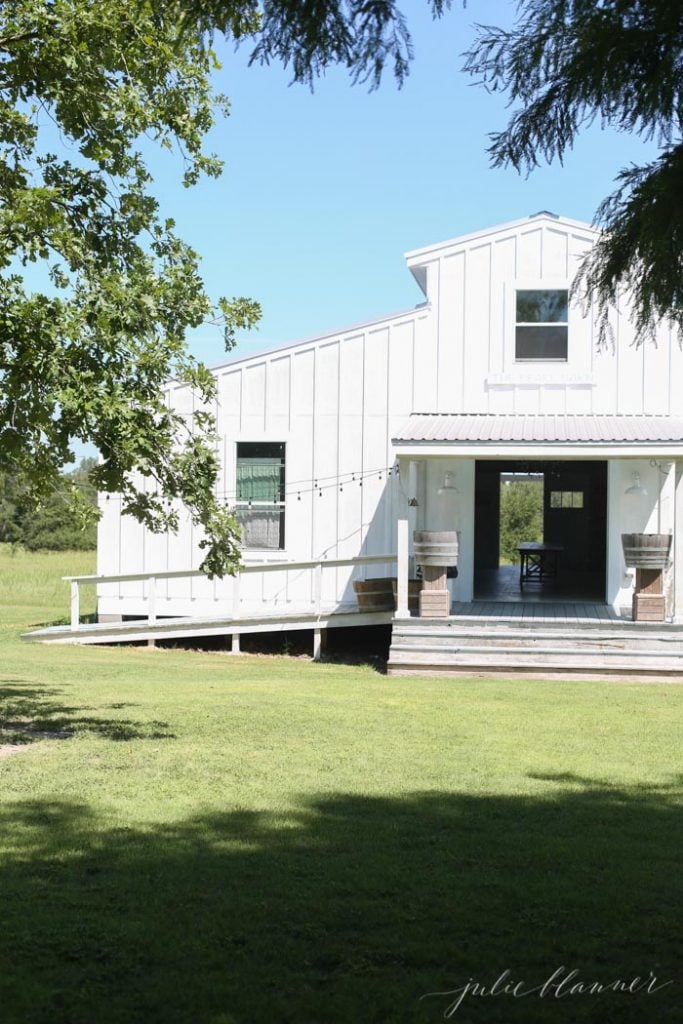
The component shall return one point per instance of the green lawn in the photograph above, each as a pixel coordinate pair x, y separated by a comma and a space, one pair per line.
191, 837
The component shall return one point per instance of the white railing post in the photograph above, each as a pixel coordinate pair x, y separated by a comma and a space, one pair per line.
236, 596
75, 605
235, 637
318, 587
152, 600
402, 552
151, 606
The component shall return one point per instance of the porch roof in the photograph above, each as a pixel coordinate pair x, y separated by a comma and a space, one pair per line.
467, 433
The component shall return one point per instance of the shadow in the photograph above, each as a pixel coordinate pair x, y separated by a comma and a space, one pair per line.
502, 584
345, 908
29, 713
350, 645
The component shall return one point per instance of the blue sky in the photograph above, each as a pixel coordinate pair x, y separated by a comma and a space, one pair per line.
323, 192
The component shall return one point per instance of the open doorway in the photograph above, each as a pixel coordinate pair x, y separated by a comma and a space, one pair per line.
540, 530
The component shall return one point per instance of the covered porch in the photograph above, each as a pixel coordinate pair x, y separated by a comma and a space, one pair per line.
601, 477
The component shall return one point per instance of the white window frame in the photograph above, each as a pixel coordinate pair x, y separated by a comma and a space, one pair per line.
539, 286
281, 504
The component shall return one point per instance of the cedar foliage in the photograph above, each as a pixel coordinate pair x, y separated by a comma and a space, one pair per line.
568, 63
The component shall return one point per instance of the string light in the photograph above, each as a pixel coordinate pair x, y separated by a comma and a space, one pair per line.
315, 486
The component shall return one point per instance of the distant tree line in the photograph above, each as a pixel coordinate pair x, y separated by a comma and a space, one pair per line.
55, 525
521, 516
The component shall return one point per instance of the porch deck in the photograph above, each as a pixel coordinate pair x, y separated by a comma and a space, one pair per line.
530, 611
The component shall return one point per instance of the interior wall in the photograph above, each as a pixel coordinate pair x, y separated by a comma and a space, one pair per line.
453, 510
487, 515
634, 512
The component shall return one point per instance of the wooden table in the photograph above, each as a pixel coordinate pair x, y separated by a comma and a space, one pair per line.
538, 562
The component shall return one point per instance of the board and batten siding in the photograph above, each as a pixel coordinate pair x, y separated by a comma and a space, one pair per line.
335, 403
471, 284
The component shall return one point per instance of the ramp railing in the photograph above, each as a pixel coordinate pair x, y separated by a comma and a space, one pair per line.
317, 566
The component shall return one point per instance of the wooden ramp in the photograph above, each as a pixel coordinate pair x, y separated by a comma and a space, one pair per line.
135, 631
569, 641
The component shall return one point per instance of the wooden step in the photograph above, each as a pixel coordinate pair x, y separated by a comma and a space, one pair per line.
600, 650
542, 642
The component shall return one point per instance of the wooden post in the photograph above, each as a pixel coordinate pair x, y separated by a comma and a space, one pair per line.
318, 643
75, 605
402, 552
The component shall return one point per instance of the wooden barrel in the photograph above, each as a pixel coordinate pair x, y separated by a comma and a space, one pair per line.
646, 550
436, 547
414, 588
374, 595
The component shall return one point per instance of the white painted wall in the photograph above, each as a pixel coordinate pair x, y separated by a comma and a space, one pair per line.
471, 283
654, 512
336, 401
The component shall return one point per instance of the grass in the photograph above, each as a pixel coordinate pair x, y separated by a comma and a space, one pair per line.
191, 837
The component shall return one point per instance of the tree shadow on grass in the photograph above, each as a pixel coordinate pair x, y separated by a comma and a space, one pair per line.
348, 908
29, 713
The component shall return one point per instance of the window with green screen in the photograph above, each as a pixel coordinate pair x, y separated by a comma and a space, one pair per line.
261, 494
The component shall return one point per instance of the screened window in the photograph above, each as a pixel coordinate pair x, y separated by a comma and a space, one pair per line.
542, 324
261, 494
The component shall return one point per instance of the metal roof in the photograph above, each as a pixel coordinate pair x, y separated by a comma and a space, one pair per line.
475, 428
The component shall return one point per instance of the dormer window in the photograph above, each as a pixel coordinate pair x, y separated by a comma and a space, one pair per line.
542, 324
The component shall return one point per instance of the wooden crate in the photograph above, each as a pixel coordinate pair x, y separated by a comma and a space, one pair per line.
649, 607
434, 604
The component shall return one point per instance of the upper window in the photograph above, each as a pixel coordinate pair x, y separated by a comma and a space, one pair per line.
261, 494
541, 331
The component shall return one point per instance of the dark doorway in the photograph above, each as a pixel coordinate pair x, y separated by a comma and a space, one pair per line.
574, 517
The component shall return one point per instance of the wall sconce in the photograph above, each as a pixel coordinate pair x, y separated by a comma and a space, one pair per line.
448, 486
413, 503
636, 487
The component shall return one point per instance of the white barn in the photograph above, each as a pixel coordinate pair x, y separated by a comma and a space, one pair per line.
334, 447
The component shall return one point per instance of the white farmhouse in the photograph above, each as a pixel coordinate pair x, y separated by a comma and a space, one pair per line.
336, 449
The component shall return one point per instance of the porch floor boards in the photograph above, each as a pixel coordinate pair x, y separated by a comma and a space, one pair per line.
574, 612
